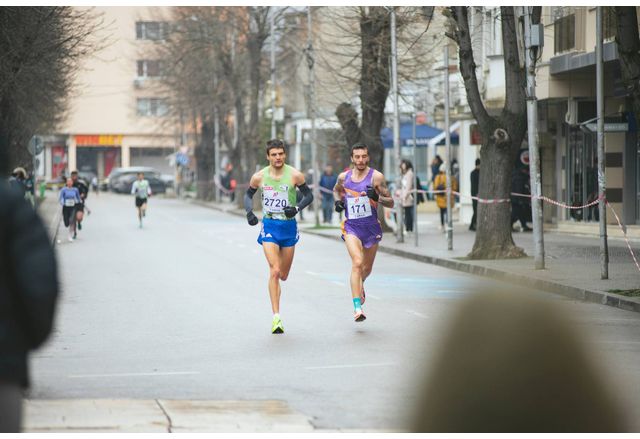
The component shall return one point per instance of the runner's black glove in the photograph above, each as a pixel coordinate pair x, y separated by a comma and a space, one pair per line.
290, 211
339, 205
252, 218
371, 193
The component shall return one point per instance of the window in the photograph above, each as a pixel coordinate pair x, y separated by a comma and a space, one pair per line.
150, 68
564, 29
152, 30
152, 107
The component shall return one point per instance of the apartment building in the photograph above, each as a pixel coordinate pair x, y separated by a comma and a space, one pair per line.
116, 117
566, 90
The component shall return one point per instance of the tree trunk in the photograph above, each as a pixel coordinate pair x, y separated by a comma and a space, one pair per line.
501, 138
628, 44
205, 157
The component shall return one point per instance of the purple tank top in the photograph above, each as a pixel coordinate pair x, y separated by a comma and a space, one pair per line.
359, 208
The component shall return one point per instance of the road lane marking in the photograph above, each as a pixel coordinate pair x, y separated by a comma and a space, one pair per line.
138, 374
415, 313
312, 273
342, 284
348, 366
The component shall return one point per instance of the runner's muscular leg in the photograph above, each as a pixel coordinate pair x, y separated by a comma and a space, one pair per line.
286, 260
356, 251
272, 253
369, 258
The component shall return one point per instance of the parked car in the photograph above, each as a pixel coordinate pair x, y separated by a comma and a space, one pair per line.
117, 172
122, 183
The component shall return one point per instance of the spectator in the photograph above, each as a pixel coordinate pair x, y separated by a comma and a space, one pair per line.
28, 292
406, 193
475, 188
435, 170
327, 182
441, 198
18, 180
512, 363
521, 206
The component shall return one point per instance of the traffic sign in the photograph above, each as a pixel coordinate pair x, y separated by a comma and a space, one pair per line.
36, 145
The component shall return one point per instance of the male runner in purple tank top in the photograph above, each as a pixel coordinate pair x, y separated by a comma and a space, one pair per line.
358, 192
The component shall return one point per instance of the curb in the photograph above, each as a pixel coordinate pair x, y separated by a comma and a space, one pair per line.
609, 299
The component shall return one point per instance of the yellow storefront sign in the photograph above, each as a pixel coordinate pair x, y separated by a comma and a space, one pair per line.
99, 140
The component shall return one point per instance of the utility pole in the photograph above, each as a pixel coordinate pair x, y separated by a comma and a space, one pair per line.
415, 177
447, 137
602, 208
312, 116
532, 131
396, 123
273, 75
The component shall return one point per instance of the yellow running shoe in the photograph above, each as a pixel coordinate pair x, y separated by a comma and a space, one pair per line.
276, 327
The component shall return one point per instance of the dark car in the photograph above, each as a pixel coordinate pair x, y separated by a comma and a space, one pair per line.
114, 184
123, 182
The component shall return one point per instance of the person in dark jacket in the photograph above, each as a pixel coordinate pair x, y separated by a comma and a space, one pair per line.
521, 206
28, 293
475, 188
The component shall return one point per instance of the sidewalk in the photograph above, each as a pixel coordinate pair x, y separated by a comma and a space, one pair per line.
572, 261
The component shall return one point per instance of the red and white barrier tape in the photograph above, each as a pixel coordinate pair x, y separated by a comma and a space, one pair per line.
624, 233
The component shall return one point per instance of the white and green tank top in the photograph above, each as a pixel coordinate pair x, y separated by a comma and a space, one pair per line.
277, 193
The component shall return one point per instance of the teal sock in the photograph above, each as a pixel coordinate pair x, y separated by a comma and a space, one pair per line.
357, 303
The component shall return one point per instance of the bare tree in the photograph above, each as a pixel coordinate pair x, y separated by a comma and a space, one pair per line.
374, 40
502, 135
216, 66
40, 48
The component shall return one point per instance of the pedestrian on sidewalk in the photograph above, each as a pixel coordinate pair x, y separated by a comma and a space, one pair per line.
475, 189
435, 170
279, 232
28, 293
521, 206
327, 182
358, 193
440, 184
406, 193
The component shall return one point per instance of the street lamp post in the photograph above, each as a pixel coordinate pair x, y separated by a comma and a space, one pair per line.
602, 208
312, 116
396, 123
449, 226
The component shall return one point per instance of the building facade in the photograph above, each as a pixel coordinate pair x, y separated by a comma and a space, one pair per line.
115, 116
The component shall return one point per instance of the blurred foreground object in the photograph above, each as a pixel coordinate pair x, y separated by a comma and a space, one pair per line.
28, 292
511, 363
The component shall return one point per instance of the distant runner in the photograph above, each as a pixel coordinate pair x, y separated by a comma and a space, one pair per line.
141, 189
69, 197
279, 232
83, 189
358, 192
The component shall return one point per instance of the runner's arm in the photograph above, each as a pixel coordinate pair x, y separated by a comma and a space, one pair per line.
133, 187
380, 186
307, 195
338, 189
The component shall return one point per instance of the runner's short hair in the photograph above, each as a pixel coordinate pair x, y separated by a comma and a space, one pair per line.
275, 144
358, 145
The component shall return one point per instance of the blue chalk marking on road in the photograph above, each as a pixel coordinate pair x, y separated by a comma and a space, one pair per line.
424, 287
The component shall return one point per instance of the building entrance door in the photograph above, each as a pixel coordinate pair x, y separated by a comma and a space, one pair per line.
582, 174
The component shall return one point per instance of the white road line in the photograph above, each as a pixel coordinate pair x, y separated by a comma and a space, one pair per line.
422, 316
373, 296
139, 374
342, 284
347, 366
312, 273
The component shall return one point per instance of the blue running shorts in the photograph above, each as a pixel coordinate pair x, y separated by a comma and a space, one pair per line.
284, 233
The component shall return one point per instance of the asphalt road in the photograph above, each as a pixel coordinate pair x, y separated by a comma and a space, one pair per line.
180, 310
